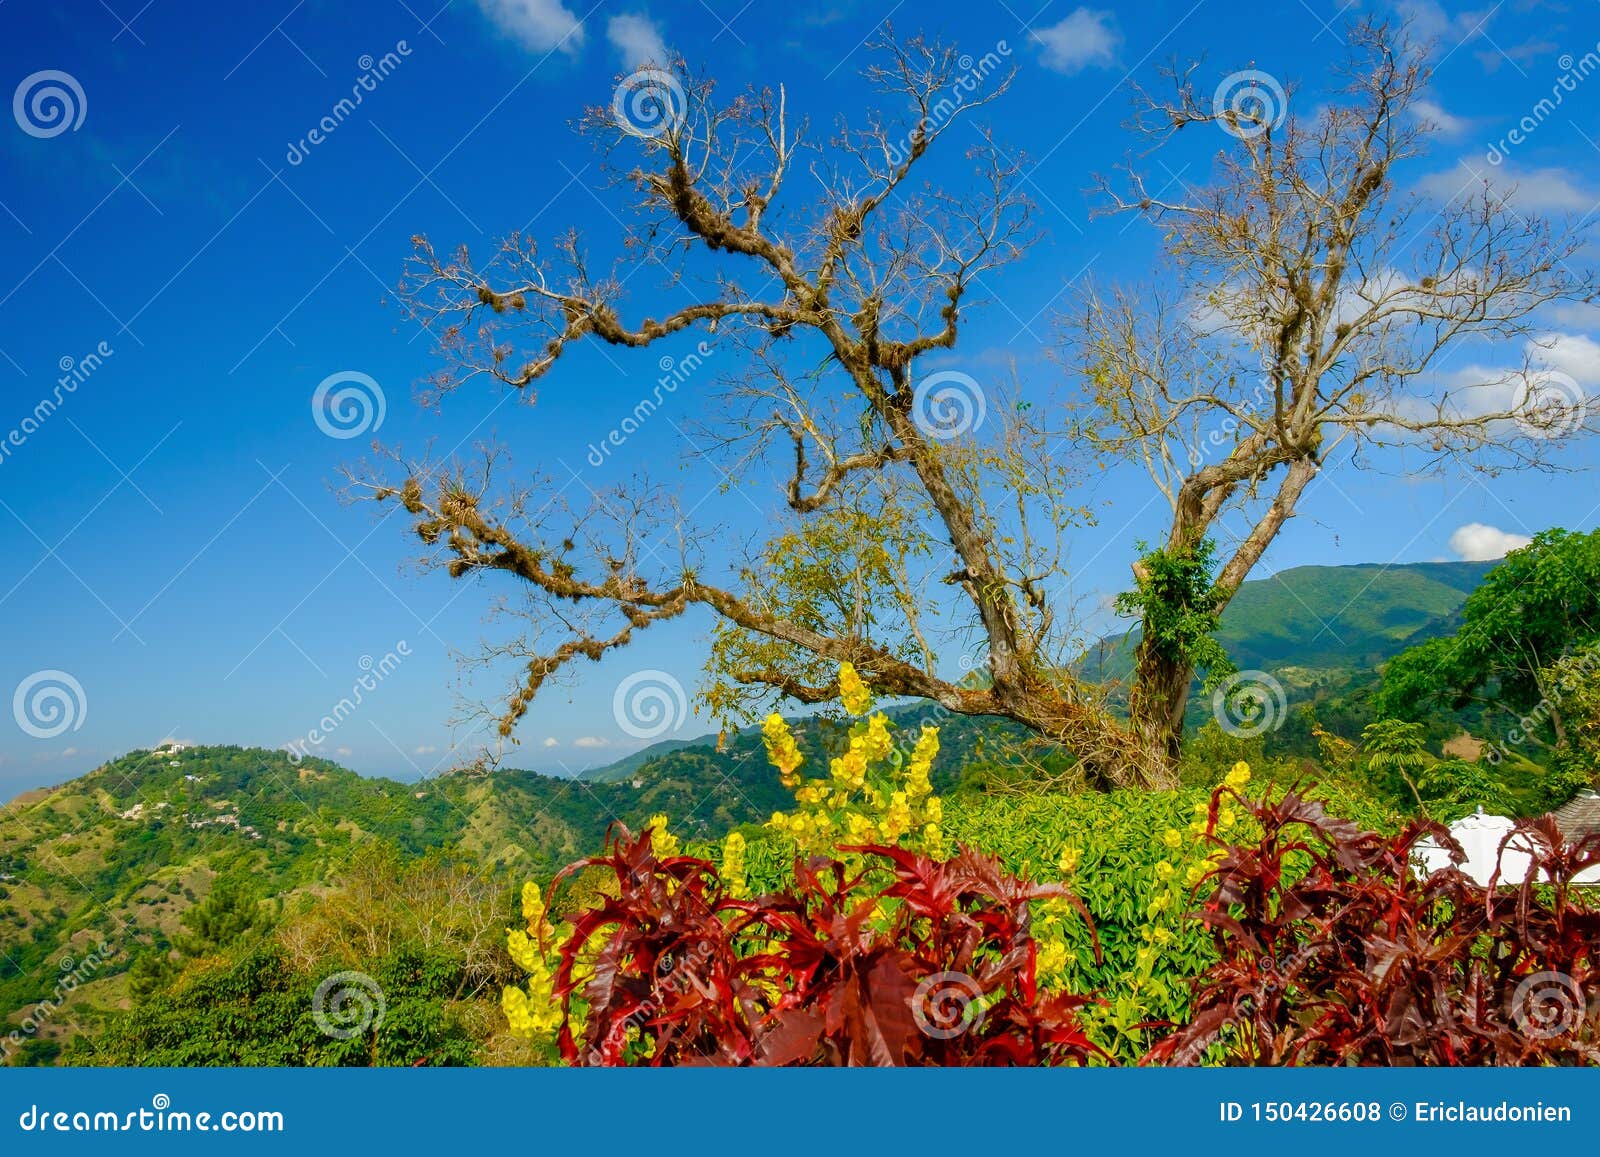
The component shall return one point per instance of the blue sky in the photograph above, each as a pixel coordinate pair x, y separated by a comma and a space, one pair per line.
194, 265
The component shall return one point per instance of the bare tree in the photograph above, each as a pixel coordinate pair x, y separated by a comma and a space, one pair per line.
911, 525
1314, 303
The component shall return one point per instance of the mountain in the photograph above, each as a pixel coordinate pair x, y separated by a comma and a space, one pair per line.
1324, 617
625, 767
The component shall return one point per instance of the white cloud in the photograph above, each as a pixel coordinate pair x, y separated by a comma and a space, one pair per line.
551, 741
425, 749
1532, 190
1573, 354
638, 39
1086, 38
1429, 21
541, 25
591, 741
1446, 123
343, 752
1476, 542
1581, 314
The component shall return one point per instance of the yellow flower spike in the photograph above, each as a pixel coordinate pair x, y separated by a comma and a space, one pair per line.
532, 904
1172, 838
877, 744
853, 693
515, 1003
1239, 776
733, 872
1068, 863
663, 841
522, 950
1164, 871
782, 751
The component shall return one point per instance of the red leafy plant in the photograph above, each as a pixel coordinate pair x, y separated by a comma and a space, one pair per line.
1334, 950
908, 961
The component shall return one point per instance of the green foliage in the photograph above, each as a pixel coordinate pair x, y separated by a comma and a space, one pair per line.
1540, 604
417, 938
257, 1009
1176, 600
227, 914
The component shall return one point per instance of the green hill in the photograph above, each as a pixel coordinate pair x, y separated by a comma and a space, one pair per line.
1324, 617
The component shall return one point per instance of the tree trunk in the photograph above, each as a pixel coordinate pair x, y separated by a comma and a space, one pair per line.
1159, 697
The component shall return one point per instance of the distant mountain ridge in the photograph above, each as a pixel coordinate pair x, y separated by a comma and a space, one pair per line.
1328, 617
